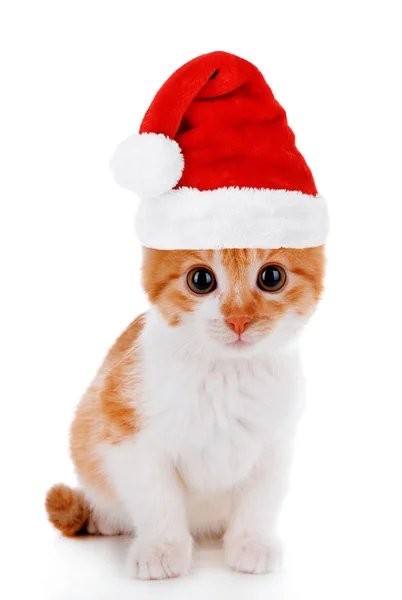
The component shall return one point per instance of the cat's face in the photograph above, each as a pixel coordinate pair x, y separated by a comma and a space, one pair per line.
237, 301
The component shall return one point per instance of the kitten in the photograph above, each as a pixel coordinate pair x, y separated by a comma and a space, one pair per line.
187, 429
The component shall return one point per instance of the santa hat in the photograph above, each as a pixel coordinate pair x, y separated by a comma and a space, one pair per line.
216, 166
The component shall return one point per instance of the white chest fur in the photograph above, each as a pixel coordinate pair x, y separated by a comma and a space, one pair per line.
214, 415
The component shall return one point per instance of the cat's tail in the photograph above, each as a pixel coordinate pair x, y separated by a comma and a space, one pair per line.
67, 509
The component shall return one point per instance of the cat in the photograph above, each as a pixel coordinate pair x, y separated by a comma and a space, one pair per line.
188, 427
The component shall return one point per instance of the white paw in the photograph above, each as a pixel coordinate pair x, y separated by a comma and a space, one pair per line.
160, 560
250, 555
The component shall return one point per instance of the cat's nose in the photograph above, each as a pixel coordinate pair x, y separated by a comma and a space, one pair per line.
238, 324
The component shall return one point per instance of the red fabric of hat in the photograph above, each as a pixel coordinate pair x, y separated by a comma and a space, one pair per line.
231, 130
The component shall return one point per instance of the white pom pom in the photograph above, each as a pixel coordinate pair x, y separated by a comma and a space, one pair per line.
148, 164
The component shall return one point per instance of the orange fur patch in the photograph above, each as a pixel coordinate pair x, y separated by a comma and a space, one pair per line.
116, 397
106, 412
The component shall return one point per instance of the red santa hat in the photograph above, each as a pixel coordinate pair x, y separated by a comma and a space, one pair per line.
216, 166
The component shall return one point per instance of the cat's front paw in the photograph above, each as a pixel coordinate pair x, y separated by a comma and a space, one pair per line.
251, 555
160, 560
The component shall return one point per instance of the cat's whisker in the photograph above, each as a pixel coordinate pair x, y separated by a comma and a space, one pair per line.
130, 351
132, 378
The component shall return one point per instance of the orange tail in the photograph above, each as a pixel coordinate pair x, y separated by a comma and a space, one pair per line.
67, 509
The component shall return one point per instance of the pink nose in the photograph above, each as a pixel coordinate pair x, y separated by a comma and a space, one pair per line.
238, 324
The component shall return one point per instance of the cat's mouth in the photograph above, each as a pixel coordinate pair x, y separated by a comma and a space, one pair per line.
239, 343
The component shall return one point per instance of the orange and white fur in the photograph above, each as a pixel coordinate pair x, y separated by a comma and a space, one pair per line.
187, 429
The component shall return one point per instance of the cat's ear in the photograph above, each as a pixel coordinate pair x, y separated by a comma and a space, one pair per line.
148, 164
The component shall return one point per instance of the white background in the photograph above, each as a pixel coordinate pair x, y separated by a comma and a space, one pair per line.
76, 78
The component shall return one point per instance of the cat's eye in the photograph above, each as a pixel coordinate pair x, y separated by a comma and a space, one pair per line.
201, 280
271, 278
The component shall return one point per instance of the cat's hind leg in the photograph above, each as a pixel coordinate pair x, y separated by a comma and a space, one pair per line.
108, 522
107, 516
